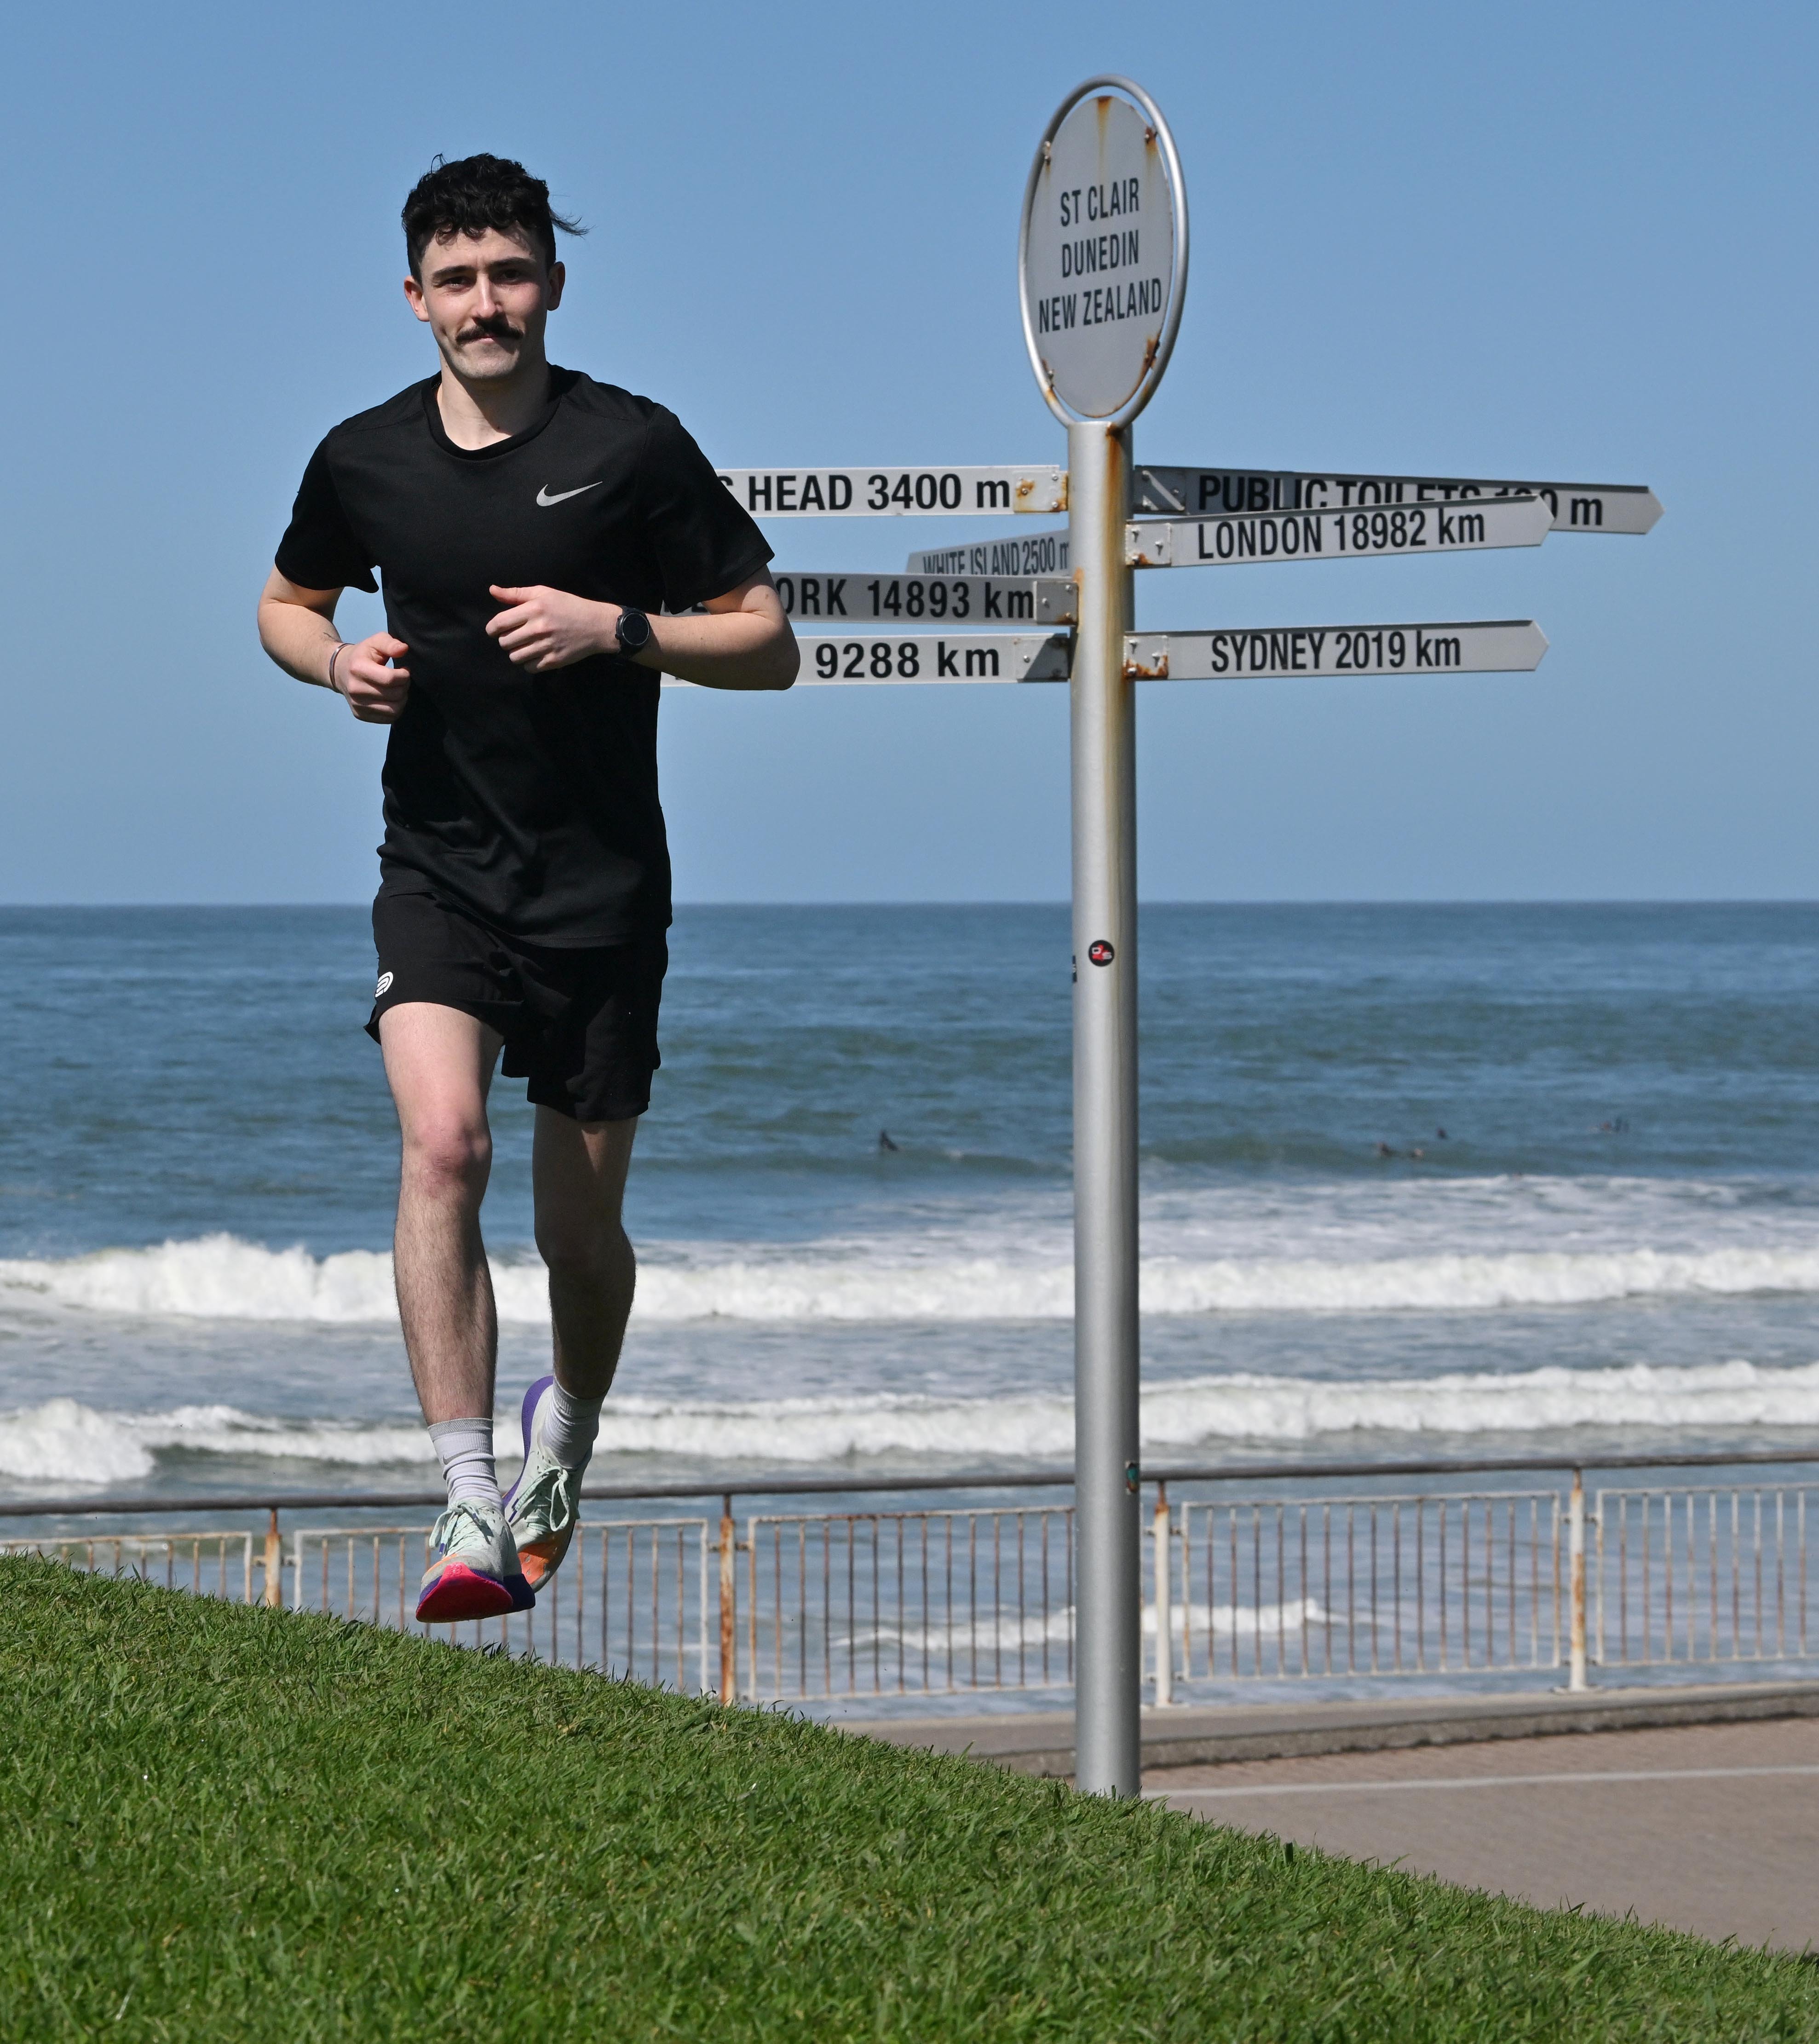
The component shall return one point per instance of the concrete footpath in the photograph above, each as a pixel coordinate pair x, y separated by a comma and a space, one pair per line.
1042, 1742
1696, 1808
1708, 1828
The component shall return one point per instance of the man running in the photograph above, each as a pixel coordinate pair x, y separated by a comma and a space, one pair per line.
527, 522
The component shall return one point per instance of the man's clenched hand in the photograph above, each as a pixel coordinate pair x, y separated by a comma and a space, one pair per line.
375, 692
546, 629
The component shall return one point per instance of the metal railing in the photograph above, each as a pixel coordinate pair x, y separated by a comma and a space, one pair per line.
915, 1603
1264, 1575
211, 1564
1392, 1585
1703, 1574
631, 1599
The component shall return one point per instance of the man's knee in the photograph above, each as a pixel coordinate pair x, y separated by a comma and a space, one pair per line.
449, 1155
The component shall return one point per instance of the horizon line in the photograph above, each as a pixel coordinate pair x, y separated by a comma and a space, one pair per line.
1062, 901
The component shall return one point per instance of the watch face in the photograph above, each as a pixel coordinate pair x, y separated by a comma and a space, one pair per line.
634, 631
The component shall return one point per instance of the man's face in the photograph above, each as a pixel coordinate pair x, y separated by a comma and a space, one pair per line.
486, 298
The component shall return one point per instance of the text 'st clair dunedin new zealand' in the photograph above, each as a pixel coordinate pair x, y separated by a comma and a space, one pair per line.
528, 800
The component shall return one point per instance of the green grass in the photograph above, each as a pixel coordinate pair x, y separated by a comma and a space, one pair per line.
219, 1822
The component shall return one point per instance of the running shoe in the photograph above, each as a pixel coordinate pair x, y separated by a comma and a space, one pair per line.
543, 1506
474, 1570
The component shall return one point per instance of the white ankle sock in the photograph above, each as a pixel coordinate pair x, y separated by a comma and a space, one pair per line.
570, 1425
465, 1447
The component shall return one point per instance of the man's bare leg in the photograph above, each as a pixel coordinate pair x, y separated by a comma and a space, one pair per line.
439, 1064
578, 1171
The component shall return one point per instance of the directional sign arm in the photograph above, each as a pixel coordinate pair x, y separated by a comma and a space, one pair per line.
1254, 537
1508, 646
1023, 554
1575, 507
880, 657
820, 600
897, 493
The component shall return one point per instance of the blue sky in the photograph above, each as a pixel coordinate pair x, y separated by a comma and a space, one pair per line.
1554, 239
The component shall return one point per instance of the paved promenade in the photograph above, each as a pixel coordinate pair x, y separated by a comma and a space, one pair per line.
1695, 1806
1194, 1735
1712, 1828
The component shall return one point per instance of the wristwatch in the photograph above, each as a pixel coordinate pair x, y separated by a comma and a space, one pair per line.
634, 631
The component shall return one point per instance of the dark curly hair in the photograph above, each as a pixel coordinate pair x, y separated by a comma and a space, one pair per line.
474, 194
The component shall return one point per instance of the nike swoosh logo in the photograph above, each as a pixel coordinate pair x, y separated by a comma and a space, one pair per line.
547, 496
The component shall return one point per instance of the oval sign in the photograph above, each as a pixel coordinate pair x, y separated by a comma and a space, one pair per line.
1102, 260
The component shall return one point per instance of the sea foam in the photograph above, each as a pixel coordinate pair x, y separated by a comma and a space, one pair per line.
219, 1276
63, 1441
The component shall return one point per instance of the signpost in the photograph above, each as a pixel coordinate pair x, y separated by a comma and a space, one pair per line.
1102, 273
1103, 267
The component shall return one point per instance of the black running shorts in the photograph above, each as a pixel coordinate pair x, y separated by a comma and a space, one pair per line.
580, 1025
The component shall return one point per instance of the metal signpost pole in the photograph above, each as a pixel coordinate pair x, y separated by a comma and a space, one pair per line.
1108, 1640
1103, 265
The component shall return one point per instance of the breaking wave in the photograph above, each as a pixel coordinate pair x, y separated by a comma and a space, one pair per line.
219, 1276
999, 1630
63, 1441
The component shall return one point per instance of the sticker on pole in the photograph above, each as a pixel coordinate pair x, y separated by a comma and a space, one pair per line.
1103, 256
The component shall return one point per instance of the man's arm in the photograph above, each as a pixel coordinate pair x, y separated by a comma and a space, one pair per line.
744, 641
297, 627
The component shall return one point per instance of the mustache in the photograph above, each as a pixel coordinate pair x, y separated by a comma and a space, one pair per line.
497, 328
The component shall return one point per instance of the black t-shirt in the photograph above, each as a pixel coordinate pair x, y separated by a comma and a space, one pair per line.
530, 801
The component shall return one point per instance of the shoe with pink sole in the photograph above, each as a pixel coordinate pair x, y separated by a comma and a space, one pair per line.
474, 1568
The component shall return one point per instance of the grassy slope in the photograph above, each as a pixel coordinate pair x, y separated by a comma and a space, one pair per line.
224, 1823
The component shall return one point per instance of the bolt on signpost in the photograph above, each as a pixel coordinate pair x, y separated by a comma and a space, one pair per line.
1102, 268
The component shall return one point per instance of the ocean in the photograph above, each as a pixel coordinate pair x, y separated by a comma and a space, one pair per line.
1415, 1179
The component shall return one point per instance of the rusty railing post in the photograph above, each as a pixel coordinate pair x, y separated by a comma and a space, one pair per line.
1576, 1563
274, 1563
728, 1607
